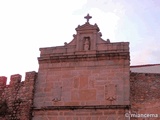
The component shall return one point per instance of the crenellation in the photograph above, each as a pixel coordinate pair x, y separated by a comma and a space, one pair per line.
15, 79
18, 96
3, 81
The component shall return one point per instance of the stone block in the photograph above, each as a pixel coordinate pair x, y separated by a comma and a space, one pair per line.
83, 82
3, 81
88, 94
75, 95
15, 79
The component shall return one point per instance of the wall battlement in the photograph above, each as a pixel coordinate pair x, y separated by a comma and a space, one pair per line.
16, 98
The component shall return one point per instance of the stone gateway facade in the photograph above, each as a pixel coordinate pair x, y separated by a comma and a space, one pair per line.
86, 79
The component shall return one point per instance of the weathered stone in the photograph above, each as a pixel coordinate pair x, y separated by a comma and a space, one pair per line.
18, 97
86, 79
88, 71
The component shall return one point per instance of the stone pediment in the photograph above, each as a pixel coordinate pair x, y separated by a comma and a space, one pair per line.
87, 26
87, 37
87, 40
84, 31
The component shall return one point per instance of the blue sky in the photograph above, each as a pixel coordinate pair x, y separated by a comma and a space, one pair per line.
27, 25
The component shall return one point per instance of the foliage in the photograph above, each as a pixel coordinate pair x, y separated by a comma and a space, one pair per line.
3, 108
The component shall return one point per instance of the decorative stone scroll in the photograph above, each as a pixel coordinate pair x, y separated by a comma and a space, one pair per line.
110, 92
57, 93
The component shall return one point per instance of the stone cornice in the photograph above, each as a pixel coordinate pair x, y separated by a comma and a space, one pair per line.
80, 57
82, 107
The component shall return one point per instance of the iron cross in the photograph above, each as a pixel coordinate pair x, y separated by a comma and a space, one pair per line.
88, 17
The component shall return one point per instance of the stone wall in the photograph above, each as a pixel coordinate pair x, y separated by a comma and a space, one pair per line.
80, 114
83, 83
145, 93
16, 99
87, 73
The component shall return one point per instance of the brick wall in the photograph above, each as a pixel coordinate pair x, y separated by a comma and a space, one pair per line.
16, 99
145, 93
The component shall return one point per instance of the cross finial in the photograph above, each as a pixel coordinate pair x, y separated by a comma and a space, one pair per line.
88, 17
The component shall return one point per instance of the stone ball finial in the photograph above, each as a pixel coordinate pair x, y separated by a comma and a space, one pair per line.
100, 34
65, 43
74, 35
108, 40
95, 25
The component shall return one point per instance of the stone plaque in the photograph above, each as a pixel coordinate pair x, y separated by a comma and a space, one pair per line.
57, 92
110, 92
